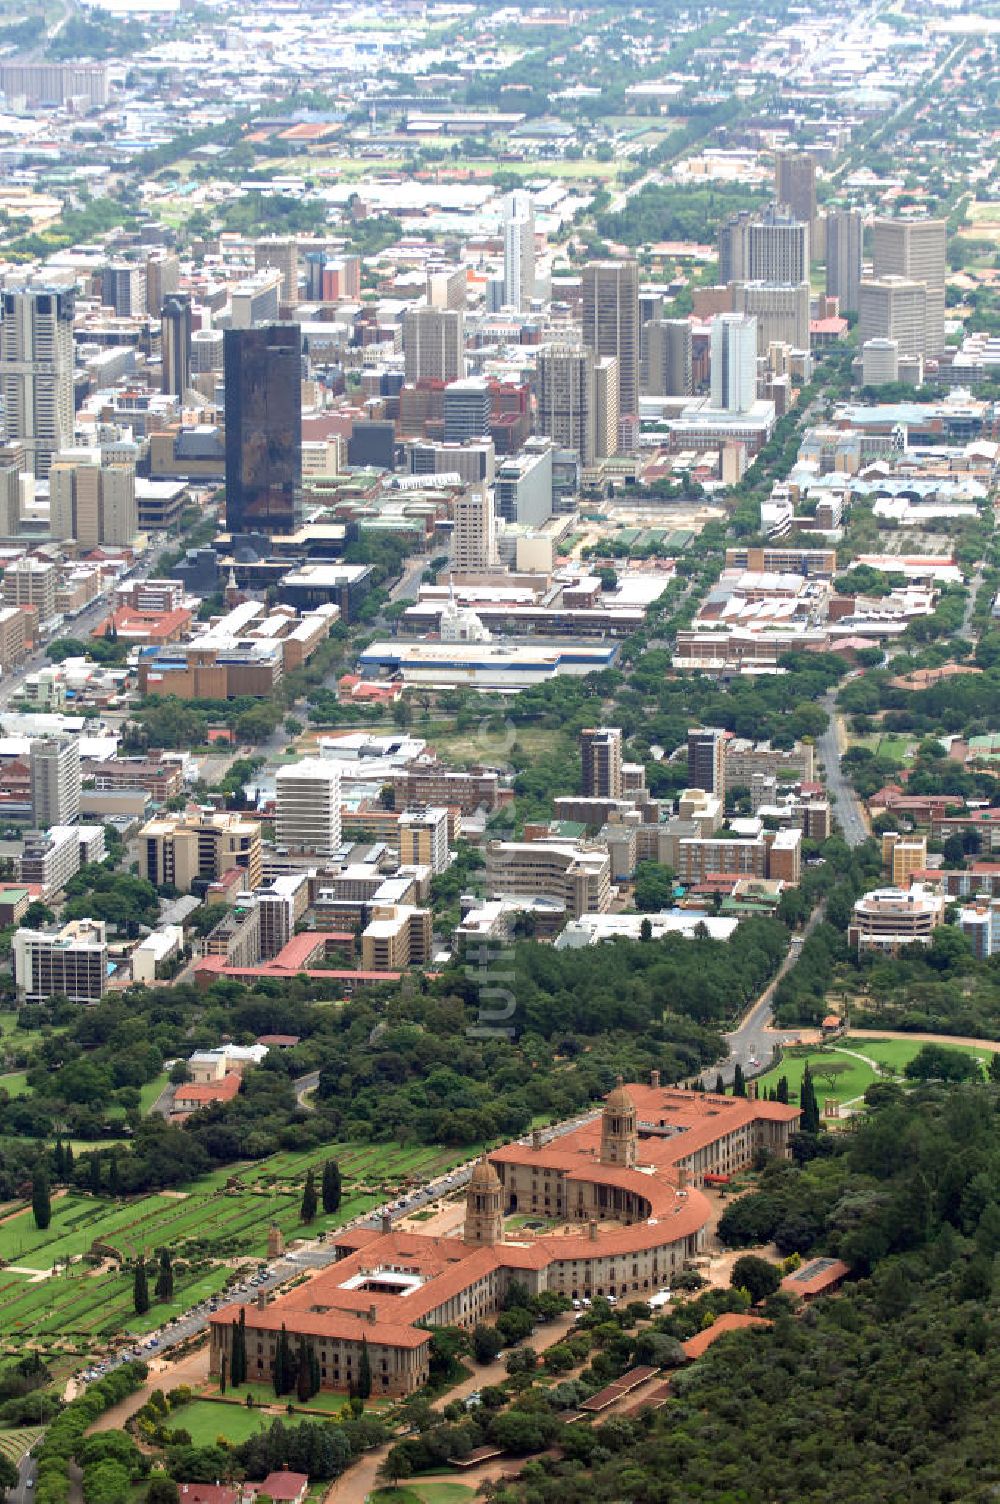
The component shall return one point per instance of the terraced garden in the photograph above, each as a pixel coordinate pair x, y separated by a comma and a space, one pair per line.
14, 1444
222, 1217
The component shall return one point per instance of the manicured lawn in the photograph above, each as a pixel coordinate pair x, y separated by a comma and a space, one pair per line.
264, 1395
205, 1421
149, 1093
898, 1052
844, 1087
15, 1084
853, 1082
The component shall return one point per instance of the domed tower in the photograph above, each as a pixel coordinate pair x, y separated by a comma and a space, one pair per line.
619, 1129
484, 1206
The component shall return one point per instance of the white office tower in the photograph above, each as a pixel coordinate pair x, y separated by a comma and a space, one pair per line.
734, 362
308, 806
55, 782
474, 540
519, 250
36, 371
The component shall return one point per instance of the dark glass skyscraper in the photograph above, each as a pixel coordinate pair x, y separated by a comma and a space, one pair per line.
175, 344
263, 375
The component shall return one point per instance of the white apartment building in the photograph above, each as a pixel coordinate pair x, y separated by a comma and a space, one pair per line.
71, 962
308, 806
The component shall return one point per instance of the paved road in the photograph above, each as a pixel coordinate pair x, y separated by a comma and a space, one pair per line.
83, 625
27, 1473
847, 806
304, 1087
753, 1040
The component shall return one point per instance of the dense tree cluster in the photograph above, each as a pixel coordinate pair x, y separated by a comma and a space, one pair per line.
881, 1395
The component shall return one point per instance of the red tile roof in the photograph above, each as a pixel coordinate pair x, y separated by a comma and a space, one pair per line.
200, 1094
282, 1486
730, 1321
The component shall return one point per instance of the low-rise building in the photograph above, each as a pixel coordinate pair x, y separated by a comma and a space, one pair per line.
574, 873
71, 962
396, 936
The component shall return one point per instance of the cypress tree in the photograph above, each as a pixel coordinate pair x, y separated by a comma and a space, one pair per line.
165, 1277
234, 1365
782, 1092
720, 1085
809, 1122
331, 1188
242, 1332
284, 1371
314, 1374
140, 1289
302, 1389
58, 1161
94, 1175
41, 1201
739, 1081
68, 1163
222, 1375
363, 1388
307, 1211
114, 1184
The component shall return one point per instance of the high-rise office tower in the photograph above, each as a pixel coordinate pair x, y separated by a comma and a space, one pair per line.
777, 247
894, 308
566, 398
433, 344
175, 345
707, 759
308, 806
123, 288
315, 262
11, 471
607, 406
263, 384
55, 781
734, 362
611, 322
36, 371
467, 410
769, 246
733, 247
280, 254
447, 286
601, 757
91, 502
781, 310
256, 300
915, 248
206, 351
474, 543
795, 183
518, 249
163, 277
844, 242
668, 358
